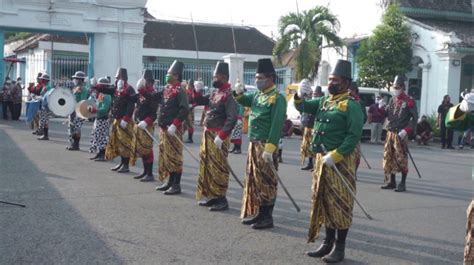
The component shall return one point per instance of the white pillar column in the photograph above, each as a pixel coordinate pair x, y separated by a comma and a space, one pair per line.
449, 74
236, 67
108, 59
425, 89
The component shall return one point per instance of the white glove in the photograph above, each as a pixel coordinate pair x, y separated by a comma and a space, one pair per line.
123, 124
120, 84
304, 88
402, 134
328, 161
141, 83
142, 125
172, 130
198, 86
238, 87
218, 142
467, 104
267, 157
239, 122
93, 81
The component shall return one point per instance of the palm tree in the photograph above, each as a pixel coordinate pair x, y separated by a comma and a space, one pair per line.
304, 33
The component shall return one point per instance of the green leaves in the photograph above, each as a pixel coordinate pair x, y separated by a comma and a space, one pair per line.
387, 52
304, 33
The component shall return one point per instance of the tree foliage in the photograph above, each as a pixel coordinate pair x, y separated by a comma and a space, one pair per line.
304, 33
387, 52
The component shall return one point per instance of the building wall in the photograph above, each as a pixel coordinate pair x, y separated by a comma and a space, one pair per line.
439, 70
116, 33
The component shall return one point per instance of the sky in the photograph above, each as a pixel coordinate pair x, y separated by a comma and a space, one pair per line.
357, 17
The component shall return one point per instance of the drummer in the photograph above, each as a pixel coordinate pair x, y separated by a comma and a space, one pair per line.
44, 87
34, 105
80, 92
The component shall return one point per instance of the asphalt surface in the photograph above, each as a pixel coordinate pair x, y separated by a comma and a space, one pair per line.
79, 212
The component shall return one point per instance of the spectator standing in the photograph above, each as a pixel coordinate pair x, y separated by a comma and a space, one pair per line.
446, 134
376, 118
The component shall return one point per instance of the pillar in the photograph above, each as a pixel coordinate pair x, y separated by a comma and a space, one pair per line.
236, 67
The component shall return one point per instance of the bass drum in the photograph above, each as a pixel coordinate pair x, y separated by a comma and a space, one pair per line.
60, 101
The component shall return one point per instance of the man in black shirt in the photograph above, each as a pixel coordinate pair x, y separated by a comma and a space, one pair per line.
446, 134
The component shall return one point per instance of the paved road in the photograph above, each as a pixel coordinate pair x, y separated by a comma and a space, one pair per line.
79, 212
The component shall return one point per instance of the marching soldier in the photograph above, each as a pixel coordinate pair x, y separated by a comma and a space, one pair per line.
147, 101
236, 137
100, 130
221, 118
338, 128
174, 108
268, 110
80, 91
189, 122
44, 87
402, 116
461, 118
307, 121
354, 93
33, 92
120, 139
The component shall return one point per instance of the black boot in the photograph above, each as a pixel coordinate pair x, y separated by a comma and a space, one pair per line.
144, 171
94, 157
207, 203
326, 246
75, 143
336, 255
117, 167
45, 136
100, 156
280, 153
167, 185
175, 188
220, 205
267, 219
190, 139
310, 164
124, 168
401, 187
149, 173
253, 218
238, 149
391, 185
233, 149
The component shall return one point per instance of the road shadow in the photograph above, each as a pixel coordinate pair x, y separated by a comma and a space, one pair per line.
45, 232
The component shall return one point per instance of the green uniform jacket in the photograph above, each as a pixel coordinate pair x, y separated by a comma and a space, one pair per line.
48, 88
338, 123
103, 105
268, 110
83, 94
458, 120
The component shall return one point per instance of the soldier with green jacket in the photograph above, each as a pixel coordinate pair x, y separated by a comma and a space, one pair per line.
81, 92
268, 110
337, 131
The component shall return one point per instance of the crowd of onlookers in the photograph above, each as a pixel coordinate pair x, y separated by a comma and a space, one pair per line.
11, 98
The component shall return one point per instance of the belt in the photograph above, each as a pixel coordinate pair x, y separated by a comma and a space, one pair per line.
254, 141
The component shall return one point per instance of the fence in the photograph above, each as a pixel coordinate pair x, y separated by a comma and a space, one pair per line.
60, 70
191, 71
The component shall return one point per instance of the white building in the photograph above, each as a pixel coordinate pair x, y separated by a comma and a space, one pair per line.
443, 51
198, 45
